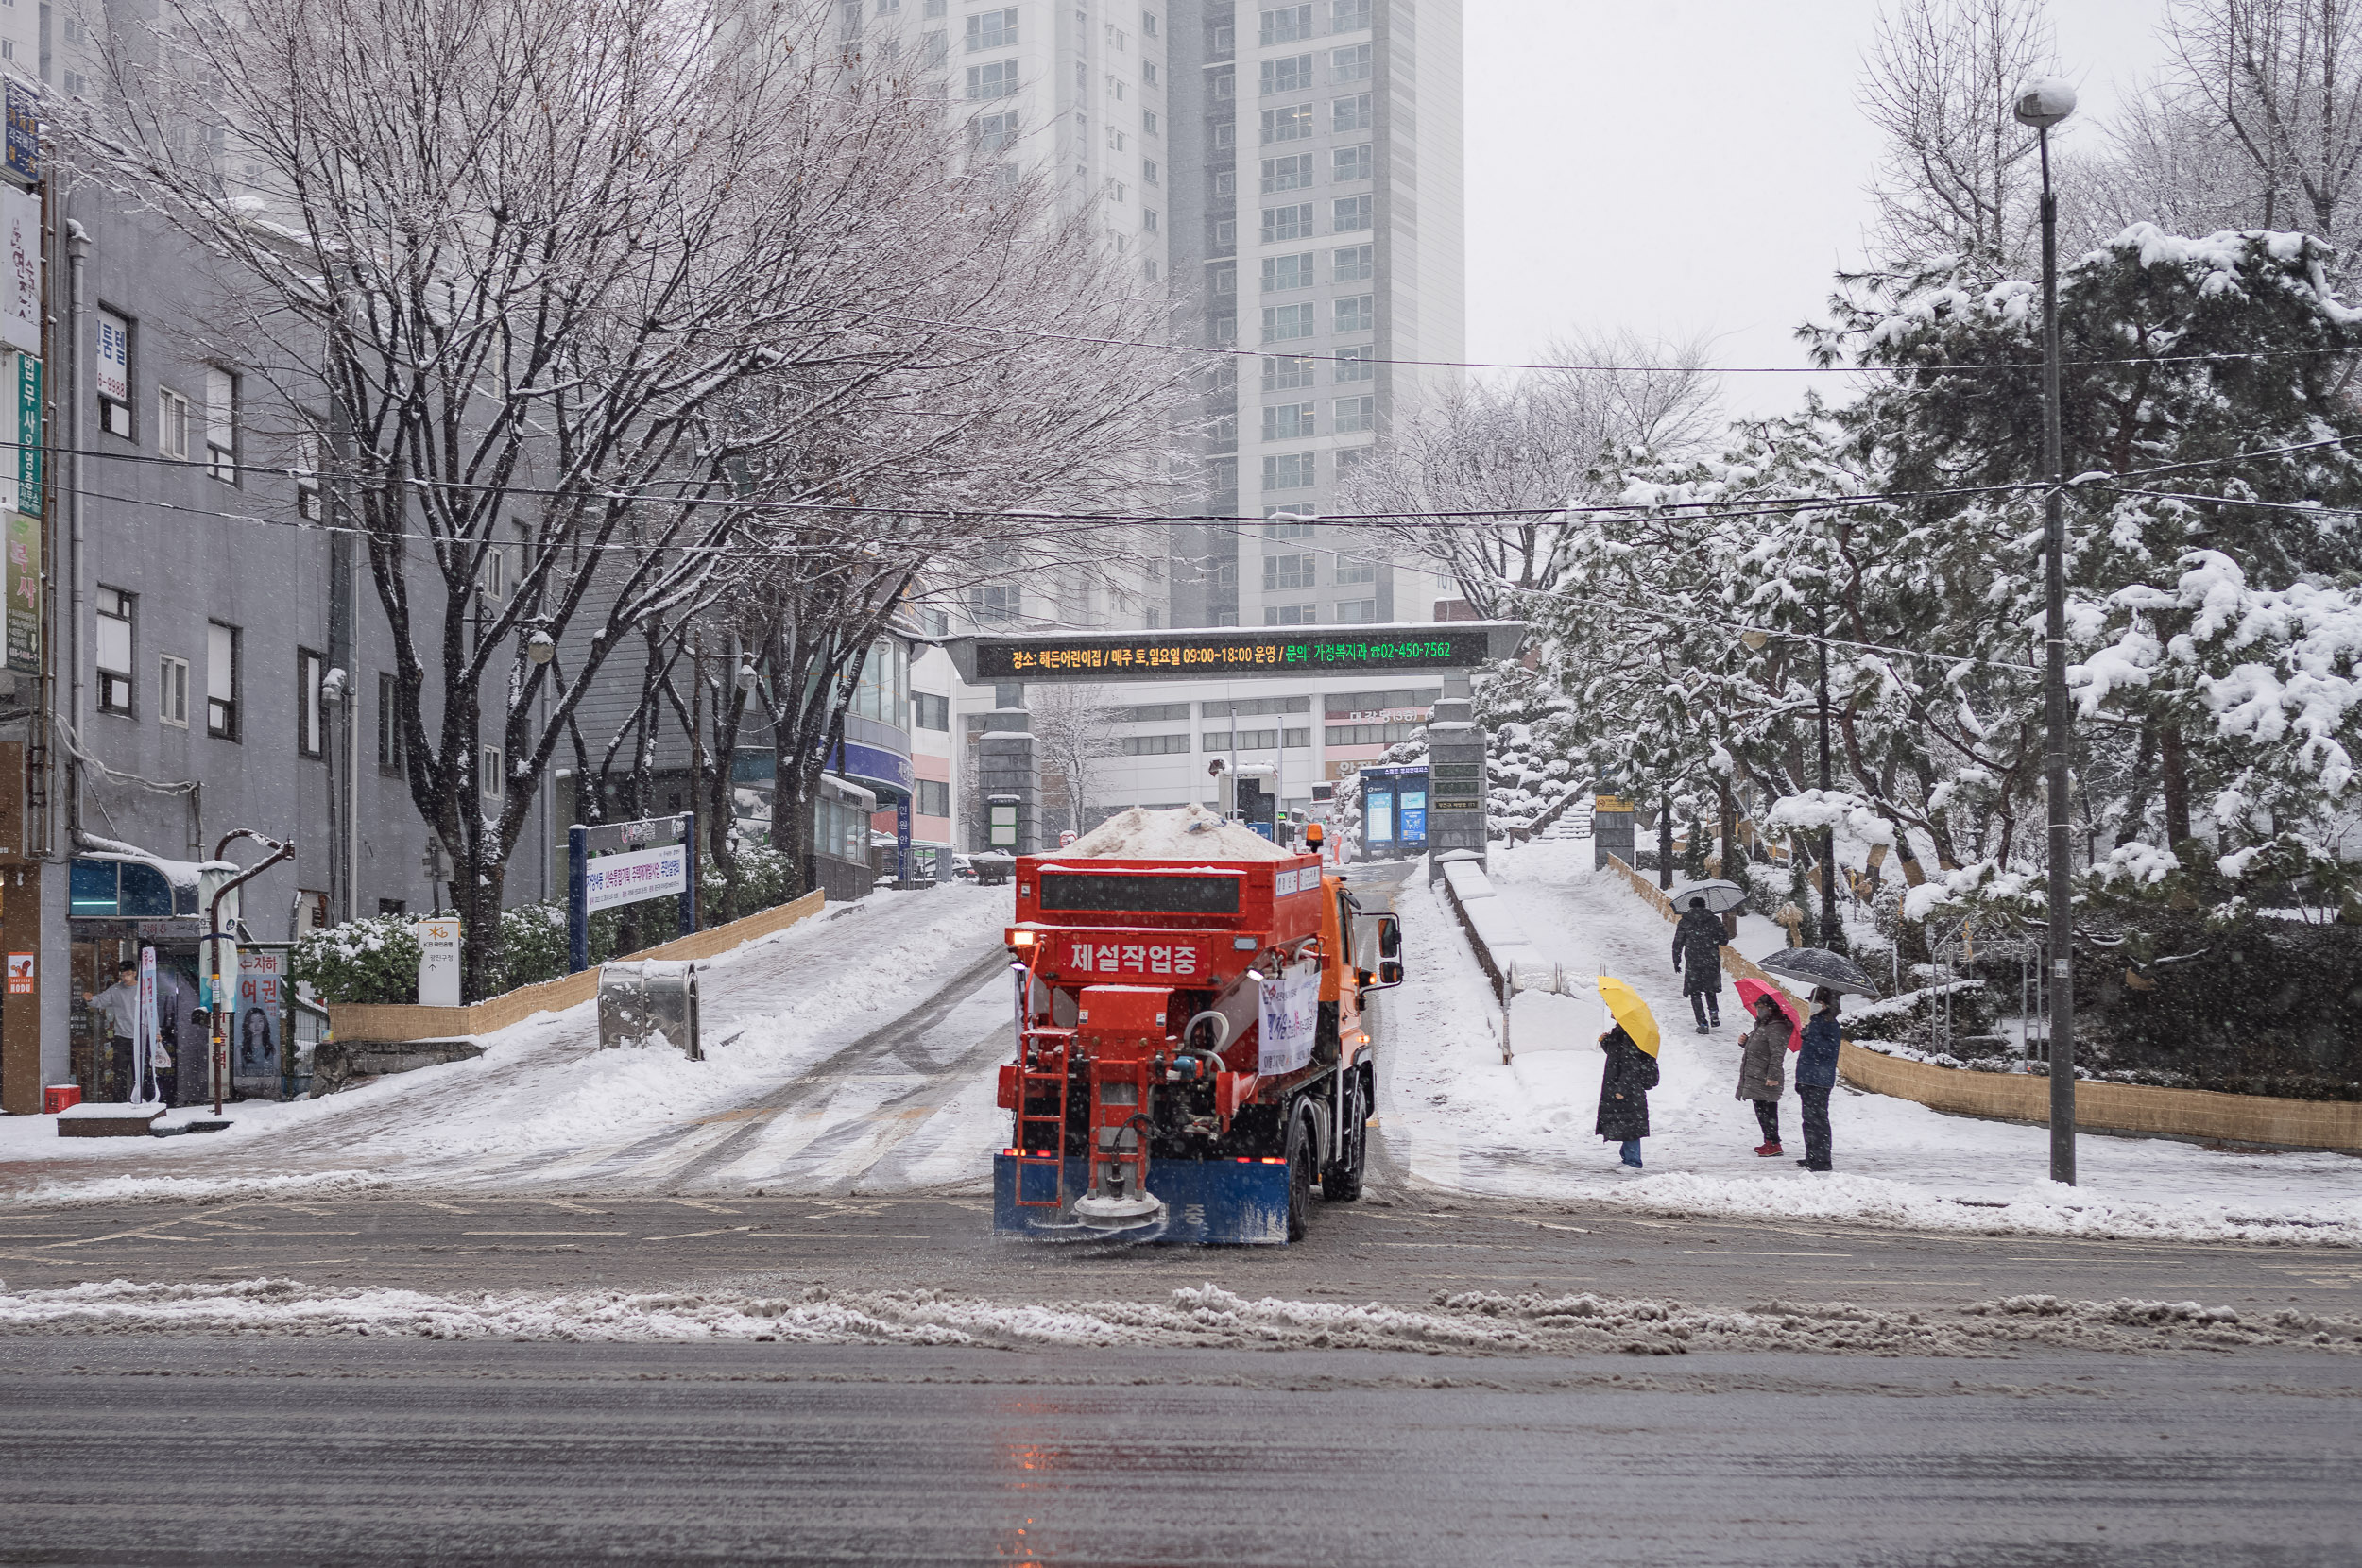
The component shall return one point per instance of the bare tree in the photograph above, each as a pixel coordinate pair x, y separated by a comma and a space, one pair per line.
2280, 83
573, 277
1957, 178
1461, 477
1074, 733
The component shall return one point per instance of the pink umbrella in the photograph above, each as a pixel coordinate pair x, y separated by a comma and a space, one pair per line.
1752, 992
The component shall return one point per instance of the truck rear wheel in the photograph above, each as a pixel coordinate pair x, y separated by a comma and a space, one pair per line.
1299, 1177
1342, 1182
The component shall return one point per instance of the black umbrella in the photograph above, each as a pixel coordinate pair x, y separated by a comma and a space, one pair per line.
1819, 966
1719, 896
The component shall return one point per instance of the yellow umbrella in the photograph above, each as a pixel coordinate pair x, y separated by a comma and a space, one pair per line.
1625, 1006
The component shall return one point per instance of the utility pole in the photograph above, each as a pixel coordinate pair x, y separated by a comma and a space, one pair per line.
2043, 103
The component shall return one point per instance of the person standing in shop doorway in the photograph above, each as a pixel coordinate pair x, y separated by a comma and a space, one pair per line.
119, 1005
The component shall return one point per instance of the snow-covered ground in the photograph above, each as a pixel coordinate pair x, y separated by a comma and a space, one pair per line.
545, 1106
1459, 1117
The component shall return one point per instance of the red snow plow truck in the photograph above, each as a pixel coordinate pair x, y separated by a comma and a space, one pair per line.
1191, 1050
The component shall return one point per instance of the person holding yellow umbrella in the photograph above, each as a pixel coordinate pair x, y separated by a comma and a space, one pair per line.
1630, 1045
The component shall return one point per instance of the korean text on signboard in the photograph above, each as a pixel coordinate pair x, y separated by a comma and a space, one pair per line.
24, 144
1150, 656
259, 1015
23, 577
635, 874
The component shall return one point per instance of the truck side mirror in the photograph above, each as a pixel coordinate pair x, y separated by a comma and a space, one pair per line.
1387, 930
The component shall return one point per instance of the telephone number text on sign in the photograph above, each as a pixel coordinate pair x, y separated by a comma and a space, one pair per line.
1161, 658
627, 878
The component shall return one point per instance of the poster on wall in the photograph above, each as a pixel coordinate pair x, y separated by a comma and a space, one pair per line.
257, 1019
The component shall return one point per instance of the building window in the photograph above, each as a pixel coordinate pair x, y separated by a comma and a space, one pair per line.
1350, 263
1221, 280
1287, 571
1357, 363
1356, 569
221, 425
997, 80
1350, 114
889, 7
1288, 422
1292, 172
1222, 329
1282, 273
1153, 713
222, 681
388, 726
491, 781
935, 799
1288, 223
1292, 124
995, 29
172, 691
1118, 189
1150, 173
1288, 472
934, 712
994, 132
1285, 372
1156, 745
1293, 530
1148, 23
114, 651
1348, 214
1151, 220
849, 18
993, 603
1225, 183
1355, 415
1351, 63
1289, 74
1286, 24
1356, 313
1148, 72
1222, 236
1345, 16
114, 351
935, 48
1354, 612
936, 7
307, 475
1282, 322
1350, 460
308, 731
1286, 615
1347, 165
172, 424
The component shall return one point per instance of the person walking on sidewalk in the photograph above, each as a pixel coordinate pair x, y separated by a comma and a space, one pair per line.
1698, 956
1816, 1078
1625, 1094
1763, 1070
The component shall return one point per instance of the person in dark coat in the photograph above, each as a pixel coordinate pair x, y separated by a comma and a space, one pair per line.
1816, 1076
1763, 1070
1698, 954
1624, 1092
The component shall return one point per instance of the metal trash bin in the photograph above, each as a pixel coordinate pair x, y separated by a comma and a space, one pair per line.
652, 996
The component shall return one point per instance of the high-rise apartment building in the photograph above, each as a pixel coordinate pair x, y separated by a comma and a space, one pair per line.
1316, 221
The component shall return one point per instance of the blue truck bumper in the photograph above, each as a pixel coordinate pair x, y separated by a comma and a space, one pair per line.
1221, 1203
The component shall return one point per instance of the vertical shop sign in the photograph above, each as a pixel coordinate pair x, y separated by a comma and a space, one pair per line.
23, 581
258, 1020
20, 270
23, 136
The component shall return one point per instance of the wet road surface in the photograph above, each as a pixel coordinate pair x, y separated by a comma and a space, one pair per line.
193, 1451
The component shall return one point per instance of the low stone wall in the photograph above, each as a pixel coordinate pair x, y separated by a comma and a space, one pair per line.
387, 1023
2130, 1108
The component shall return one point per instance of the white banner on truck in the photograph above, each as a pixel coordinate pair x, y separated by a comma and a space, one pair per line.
633, 874
1291, 1016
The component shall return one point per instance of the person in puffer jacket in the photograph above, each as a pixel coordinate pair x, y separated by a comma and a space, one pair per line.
1815, 1076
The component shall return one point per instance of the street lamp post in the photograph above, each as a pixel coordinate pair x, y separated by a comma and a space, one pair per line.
2042, 104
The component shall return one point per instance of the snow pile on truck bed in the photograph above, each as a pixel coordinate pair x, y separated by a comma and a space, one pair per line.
1190, 833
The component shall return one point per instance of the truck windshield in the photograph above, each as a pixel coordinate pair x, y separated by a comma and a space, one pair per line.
1115, 894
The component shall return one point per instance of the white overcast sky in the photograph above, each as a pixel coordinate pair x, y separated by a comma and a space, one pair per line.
1685, 166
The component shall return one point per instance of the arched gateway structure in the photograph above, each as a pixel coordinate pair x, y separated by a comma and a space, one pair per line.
1455, 803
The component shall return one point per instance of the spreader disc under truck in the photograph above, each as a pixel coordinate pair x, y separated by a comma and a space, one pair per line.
1193, 1053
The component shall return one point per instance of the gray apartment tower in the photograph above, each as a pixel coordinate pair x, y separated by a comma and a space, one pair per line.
1316, 195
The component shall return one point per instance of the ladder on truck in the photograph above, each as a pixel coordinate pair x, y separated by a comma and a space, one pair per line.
1035, 1046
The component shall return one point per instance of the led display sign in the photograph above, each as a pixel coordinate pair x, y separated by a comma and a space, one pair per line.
1292, 651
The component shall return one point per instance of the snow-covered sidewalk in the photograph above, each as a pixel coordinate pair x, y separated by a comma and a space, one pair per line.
1459, 1117
544, 1099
